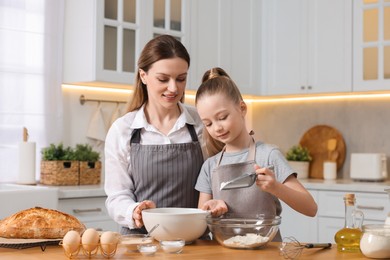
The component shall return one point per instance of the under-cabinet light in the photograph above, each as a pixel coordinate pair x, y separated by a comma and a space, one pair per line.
251, 99
355, 96
100, 89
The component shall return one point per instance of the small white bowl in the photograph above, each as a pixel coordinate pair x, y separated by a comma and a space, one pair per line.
173, 246
147, 249
133, 240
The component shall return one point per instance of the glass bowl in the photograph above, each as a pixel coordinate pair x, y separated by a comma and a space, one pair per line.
243, 232
132, 241
147, 249
174, 246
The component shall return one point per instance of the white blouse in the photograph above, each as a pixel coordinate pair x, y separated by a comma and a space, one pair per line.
119, 204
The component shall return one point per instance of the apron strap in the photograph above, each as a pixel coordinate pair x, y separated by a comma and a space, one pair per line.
192, 131
136, 134
251, 152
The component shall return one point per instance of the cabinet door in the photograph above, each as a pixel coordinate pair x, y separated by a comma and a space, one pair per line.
305, 50
295, 224
204, 39
285, 47
330, 46
371, 45
328, 227
226, 33
118, 24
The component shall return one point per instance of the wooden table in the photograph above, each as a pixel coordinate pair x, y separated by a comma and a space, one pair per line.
199, 250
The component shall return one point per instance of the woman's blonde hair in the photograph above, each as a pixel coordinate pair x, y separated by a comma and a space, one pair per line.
217, 81
160, 48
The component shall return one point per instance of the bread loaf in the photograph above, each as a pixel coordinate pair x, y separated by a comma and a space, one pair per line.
39, 223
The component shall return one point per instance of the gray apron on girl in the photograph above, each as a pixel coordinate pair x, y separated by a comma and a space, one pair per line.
165, 174
245, 201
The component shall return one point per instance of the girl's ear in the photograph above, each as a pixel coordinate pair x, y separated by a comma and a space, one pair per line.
243, 108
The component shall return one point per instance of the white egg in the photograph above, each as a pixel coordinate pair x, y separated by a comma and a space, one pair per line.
71, 242
109, 241
90, 240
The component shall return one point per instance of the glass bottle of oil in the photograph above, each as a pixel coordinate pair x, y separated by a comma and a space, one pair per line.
348, 238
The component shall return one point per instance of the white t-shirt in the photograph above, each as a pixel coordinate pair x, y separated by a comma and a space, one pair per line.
266, 154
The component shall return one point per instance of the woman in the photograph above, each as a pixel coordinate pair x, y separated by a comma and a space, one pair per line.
152, 153
222, 110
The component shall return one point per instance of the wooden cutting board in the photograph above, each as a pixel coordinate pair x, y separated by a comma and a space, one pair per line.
316, 140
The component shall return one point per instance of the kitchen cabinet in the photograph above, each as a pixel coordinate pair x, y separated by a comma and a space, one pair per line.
371, 45
331, 214
103, 38
307, 46
90, 211
226, 33
373, 201
302, 227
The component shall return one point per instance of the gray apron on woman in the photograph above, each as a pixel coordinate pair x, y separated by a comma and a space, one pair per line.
165, 174
244, 201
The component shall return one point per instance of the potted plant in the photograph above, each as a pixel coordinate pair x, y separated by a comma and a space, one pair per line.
59, 166
90, 166
299, 159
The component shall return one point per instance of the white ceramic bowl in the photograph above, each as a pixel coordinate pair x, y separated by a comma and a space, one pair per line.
185, 223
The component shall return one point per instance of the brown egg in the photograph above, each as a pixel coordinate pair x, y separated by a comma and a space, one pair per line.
71, 242
109, 241
90, 240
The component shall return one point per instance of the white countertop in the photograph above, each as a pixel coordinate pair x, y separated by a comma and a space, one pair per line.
345, 185
79, 191
82, 191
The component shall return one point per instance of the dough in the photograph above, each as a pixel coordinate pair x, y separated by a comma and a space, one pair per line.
39, 223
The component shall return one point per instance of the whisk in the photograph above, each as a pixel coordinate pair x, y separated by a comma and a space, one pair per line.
290, 248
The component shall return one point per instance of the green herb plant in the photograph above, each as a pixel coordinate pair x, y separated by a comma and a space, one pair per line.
298, 153
58, 153
84, 152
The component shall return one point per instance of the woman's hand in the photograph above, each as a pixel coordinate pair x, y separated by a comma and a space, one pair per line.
265, 179
137, 213
215, 207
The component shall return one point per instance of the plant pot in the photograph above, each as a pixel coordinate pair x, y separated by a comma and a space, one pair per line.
90, 172
301, 168
60, 172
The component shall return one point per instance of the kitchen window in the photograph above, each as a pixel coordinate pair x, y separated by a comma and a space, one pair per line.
30, 78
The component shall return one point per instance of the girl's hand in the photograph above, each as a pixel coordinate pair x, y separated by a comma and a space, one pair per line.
265, 179
215, 207
137, 213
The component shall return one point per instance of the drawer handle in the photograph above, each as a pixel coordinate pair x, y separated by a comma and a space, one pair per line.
371, 207
86, 210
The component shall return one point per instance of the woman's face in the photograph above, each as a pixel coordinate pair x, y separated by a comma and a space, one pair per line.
166, 80
223, 119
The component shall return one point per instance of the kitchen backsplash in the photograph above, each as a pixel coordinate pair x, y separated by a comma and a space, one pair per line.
364, 123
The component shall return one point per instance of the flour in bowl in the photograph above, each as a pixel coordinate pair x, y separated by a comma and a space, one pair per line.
249, 240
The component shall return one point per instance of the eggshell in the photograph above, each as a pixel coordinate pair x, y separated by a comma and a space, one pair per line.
71, 242
109, 241
90, 240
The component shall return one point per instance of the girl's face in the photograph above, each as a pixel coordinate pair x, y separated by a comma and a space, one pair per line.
166, 80
223, 119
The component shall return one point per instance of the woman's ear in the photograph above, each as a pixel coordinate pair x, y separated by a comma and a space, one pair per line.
142, 75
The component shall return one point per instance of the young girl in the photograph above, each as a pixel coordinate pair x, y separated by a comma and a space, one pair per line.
222, 111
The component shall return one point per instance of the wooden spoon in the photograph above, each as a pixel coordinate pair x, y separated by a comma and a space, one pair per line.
332, 144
